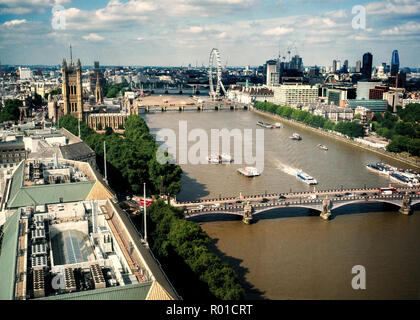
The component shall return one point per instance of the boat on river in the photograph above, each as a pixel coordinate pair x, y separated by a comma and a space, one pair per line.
303, 176
295, 136
406, 177
265, 125
220, 158
323, 147
249, 171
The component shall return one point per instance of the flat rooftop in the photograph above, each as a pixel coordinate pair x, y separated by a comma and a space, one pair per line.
72, 240
52, 171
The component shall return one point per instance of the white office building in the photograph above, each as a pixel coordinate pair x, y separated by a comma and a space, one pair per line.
363, 88
295, 94
272, 73
25, 73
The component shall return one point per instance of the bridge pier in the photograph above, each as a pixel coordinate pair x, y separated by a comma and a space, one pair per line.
406, 205
326, 209
247, 217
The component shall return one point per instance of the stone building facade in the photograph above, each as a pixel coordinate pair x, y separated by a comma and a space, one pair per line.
99, 121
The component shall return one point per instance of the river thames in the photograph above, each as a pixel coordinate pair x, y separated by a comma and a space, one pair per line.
292, 253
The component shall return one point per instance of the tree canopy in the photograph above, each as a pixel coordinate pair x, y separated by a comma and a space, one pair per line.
403, 129
37, 100
113, 90
52, 93
10, 112
138, 165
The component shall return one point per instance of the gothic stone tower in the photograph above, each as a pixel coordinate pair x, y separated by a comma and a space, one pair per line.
98, 91
72, 90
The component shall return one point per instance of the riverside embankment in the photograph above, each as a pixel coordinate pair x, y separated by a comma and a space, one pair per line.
394, 156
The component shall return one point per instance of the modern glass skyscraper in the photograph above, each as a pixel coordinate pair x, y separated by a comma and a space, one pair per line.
334, 66
367, 66
395, 63
296, 63
345, 65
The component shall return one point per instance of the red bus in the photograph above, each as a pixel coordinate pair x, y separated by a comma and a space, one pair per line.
389, 190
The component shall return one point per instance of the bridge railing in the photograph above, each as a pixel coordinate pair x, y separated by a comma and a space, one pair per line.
297, 202
273, 195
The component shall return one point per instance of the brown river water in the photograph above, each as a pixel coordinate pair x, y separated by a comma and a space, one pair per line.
292, 253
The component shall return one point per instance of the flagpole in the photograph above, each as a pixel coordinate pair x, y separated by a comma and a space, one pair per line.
106, 175
144, 208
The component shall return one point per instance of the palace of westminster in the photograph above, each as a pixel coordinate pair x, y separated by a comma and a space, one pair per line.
90, 109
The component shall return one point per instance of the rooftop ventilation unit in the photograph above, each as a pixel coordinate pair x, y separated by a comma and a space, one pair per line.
38, 234
39, 283
39, 218
39, 249
98, 277
39, 262
69, 280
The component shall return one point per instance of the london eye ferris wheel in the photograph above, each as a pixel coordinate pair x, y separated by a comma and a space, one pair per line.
215, 74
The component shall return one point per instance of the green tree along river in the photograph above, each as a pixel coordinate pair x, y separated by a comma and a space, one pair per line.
351, 129
131, 158
291, 253
403, 129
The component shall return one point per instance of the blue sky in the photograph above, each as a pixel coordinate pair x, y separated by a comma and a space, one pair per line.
179, 32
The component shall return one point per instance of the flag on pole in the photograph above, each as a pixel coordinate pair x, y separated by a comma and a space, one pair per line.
148, 202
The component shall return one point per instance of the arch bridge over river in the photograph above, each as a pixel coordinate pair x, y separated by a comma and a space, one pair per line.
323, 201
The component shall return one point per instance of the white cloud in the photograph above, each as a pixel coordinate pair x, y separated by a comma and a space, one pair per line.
242, 2
93, 37
14, 22
114, 15
319, 22
411, 27
393, 7
222, 35
17, 11
194, 29
337, 14
139, 38
362, 37
24, 3
278, 31
23, 7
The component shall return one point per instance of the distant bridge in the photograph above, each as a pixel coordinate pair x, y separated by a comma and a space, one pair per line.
207, 106
323, 201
